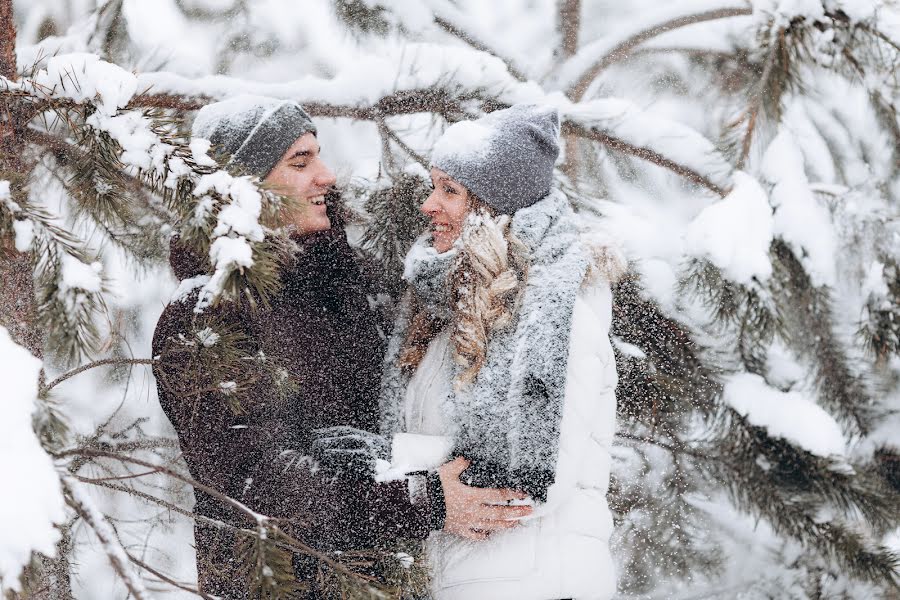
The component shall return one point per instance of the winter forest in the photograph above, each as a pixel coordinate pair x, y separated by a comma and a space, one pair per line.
743, 155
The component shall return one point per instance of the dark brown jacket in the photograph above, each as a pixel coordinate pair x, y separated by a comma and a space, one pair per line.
322, 330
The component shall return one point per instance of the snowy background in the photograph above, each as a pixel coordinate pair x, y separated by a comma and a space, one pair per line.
822, 176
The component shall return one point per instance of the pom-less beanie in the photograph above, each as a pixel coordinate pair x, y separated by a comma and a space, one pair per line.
505, 158
252, 132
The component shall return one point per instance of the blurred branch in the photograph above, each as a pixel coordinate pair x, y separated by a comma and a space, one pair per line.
569, 21
198, 12
392, 135
98, 363
455, 30
642, 153
260, 519
111, 546
578, 89
167, 579
756, 101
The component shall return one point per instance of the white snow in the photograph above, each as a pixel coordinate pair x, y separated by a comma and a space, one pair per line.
465, 138
735, 233
84, 77
32, 501
132, 130
77, 275
874, 283
207, 337
229, 253
787, 415
800, 219
199, 152
187, 286
24, 231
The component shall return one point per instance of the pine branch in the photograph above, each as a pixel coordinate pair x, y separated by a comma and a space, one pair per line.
762, 90
260, 520
455, 30
111, 545
166, 579
577, 90
99, 363
647, 154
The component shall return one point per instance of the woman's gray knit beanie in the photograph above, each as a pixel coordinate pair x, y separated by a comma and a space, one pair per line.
251, 132
505, 158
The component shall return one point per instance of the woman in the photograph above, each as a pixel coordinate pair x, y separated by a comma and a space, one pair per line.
321, 329
501, 353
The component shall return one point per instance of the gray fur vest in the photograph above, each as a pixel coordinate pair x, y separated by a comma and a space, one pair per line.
508, 418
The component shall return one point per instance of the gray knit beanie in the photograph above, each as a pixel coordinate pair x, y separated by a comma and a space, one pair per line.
253, 132
505, 158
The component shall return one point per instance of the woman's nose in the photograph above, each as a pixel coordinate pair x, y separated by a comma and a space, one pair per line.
431, 205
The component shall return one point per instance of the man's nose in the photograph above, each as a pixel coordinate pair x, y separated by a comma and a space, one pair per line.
325, 176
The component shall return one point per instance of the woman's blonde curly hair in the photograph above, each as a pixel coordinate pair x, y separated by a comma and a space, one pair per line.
486, 285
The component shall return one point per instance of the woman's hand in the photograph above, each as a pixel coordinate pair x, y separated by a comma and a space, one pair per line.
474, 512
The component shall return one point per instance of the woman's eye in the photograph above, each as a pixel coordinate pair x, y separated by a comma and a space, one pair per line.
299, 166
449, 190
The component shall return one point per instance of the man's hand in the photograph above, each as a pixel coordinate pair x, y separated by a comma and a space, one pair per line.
474, 512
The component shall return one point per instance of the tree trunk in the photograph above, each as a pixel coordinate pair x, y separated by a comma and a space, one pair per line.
48, 577
7, 40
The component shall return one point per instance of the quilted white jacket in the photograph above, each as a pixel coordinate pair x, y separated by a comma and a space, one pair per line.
563, 550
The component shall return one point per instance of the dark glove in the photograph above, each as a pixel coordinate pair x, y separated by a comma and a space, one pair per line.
348, 451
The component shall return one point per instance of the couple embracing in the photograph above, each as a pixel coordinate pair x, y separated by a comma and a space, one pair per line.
482, 424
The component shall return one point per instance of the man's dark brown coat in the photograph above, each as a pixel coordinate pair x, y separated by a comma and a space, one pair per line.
322, 330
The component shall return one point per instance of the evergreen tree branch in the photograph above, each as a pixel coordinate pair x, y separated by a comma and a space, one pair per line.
445, 22
95, 364
762, 90
261, 520
390, 133
111, 546
167, 579
647, 154
577, 90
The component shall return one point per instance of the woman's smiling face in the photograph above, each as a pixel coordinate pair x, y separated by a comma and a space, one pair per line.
447, 207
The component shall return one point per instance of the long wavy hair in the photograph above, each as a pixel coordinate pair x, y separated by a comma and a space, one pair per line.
486, 284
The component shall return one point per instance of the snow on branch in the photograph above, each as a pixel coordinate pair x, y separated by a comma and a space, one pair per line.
625, 127
82, 504
227, 218
32, 502
365, 82
579, 71
69, 284
453, 21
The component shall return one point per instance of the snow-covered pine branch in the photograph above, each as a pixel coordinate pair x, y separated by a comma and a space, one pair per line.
28, 516
226, 218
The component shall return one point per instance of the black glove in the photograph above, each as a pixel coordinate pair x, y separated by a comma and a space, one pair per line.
348, 451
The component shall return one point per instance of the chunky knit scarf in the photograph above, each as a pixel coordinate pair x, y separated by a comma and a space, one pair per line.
508, 418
